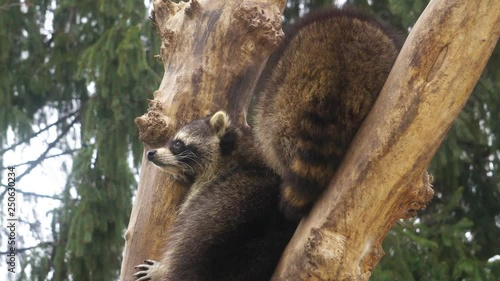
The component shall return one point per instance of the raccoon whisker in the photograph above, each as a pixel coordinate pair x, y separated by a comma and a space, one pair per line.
191, 156
186, 168
194, 159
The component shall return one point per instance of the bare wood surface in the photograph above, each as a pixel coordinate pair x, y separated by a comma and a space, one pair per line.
213, 53
383, 175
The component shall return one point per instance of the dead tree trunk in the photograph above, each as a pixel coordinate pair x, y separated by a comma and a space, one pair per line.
213, 53
382, 178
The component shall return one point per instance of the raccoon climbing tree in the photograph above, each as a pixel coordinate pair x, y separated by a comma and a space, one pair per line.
213, 53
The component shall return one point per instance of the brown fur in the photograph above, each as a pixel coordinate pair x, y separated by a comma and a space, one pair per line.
315, 93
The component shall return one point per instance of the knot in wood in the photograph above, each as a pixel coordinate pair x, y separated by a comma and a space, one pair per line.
258, 22
324, 247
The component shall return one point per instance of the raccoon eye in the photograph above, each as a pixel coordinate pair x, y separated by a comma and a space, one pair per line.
177, 147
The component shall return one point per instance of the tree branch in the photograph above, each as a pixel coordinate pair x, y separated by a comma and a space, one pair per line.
60, 120
48, 157
49, 147
21, 250
7, 6
28, 193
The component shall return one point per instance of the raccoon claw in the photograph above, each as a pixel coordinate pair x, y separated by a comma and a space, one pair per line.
147, 264
145, 271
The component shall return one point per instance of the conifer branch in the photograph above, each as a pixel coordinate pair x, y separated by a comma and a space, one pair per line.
40, 245
60, 120
49, 147
53, 197
7, 6
48, 157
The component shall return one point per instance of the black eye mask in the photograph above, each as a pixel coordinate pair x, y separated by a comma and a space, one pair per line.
177, 147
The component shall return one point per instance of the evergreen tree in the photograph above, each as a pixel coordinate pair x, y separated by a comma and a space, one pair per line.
91, 62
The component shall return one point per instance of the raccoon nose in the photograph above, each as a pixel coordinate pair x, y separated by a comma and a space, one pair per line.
150, 154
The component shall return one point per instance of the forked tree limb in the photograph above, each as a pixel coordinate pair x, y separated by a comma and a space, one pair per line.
213, 52
383, 178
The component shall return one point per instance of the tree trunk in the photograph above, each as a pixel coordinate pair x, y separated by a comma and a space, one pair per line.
383, 178
213, 53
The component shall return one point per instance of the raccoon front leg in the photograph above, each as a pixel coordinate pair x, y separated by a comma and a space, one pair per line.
150, 270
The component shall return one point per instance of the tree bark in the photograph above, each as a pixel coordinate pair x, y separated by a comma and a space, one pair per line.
383, 177
213, 52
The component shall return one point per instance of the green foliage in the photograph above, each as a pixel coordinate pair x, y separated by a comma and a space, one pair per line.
95, 59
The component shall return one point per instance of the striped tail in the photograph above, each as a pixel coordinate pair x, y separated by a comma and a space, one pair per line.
319, 148
302, 185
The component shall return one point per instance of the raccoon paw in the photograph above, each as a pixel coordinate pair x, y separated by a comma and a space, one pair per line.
148, 271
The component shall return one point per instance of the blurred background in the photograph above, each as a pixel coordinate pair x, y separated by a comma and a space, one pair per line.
75, 74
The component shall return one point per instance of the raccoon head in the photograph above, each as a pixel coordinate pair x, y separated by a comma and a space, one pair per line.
198, 149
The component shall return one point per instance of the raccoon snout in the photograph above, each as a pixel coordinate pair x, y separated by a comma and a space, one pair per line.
150, 154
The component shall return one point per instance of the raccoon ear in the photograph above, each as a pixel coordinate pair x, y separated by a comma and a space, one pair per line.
220, 123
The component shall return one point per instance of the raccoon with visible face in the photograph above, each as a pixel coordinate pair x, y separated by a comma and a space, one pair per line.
229, 227
315, 93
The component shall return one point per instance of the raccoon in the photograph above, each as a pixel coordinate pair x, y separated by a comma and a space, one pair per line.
315, 93
229, 227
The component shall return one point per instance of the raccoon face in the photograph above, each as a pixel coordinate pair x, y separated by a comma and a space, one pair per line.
197, 148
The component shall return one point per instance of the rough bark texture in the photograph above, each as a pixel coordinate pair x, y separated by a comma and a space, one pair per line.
213, 53
383, 176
